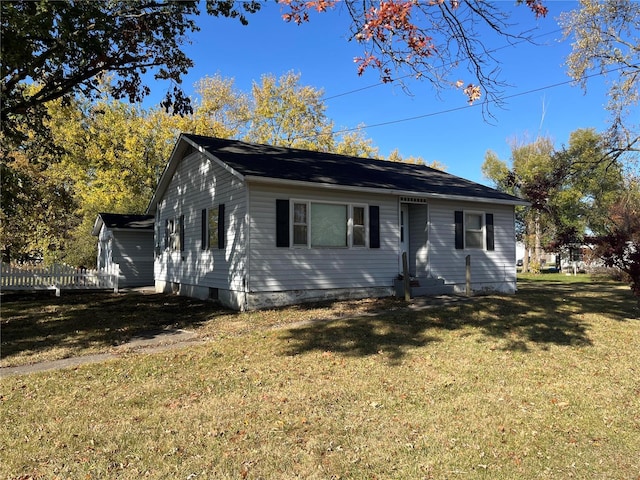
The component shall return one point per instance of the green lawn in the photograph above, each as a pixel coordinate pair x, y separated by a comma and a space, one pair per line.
541, 384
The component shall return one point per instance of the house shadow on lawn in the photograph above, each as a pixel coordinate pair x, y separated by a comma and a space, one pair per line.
539, 315
391, 334
77, 321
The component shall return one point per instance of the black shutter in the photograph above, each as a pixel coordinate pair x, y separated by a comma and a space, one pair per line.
374, 226
204, 234
221, 229
489, 228
282, 223
459, 217
182, 233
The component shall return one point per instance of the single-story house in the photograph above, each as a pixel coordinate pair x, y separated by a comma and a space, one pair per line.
255, 226
125, 246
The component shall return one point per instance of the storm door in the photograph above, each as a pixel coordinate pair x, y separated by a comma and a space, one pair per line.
404, 234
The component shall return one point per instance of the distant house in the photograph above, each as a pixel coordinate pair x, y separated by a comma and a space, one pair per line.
256, 226
125, 245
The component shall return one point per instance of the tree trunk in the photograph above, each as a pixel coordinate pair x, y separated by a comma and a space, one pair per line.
537, 249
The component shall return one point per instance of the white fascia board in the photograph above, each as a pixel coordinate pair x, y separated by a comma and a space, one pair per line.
170, 169
165, 178
382, 191
214, 159
97, 226
222, 164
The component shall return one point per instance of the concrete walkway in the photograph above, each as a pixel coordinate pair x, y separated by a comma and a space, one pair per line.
161, 340
150, 342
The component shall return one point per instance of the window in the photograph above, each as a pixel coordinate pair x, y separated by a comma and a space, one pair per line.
359, 230
174, 233
326, 225
212, 228
474, 230
300, 225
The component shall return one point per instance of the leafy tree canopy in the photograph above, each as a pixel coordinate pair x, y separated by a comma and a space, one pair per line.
65, 48
606, 40
619, 243
570, 190
108, 156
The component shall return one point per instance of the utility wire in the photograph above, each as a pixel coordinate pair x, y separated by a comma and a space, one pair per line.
337, 95
465, 107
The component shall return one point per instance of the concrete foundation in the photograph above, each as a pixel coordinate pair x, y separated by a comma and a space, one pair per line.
237, 300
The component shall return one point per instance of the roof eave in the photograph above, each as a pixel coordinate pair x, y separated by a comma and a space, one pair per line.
176, 155
384, 191
132, 229
97, 226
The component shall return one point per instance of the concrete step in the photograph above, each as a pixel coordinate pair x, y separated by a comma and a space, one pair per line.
424, 286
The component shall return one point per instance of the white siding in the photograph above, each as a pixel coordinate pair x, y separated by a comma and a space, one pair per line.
104, 248
199, 183
251, 265
133, 252
493, 270
299, 268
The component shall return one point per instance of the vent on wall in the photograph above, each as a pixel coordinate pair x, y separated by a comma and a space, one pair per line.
213, 293
413, 200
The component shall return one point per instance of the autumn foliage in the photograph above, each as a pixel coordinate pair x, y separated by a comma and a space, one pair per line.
619, 247
402, 32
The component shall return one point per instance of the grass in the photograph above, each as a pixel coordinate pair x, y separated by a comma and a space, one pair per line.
542, 384
41, 327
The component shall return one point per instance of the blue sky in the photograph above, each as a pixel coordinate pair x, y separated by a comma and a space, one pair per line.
440, 127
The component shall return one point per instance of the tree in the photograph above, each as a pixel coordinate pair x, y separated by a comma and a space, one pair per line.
37, 203
395, 156
66, 47
115, 166
219, 109
36, 211
570, 190
530, 177
109, 156
586, 187
426, 39
619, 245
606, 40
288, 114
355, 145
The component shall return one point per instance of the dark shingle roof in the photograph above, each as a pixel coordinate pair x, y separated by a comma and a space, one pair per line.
135, 222
318, 167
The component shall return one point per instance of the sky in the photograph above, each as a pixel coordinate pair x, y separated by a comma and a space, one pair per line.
540, 100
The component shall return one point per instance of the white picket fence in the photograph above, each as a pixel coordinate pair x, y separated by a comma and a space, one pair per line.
56, 277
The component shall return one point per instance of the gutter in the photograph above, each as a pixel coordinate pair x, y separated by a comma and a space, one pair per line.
383, 191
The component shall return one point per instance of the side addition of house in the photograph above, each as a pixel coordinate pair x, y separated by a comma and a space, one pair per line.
255, 226
125, 247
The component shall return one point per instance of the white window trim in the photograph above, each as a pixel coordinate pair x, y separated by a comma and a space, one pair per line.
350, 207
483, 228
350, 223
292, 224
